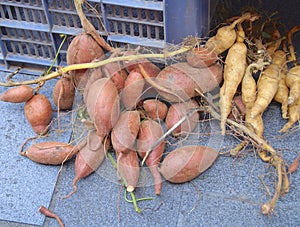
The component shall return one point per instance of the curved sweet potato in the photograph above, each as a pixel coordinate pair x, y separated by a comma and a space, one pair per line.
186, 163
103, 105
50, 153
150, 131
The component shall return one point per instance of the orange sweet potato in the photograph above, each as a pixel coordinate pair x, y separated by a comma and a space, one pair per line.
38, 112
129, 169
179, 110
50, 153
63, 93
201, 57
124, 133
82, 49
155, 109
150, 131
89, 158
103, 105
117, 74
133, 89
18, 94
186, 163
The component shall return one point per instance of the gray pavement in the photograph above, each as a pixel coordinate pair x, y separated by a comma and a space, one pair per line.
227, 194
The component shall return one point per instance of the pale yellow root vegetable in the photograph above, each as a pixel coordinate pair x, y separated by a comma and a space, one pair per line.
294, 115
234, 69
282, 93
293, 82
268, 83
226, 36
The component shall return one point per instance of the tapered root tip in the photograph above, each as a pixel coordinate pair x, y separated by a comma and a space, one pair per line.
71, 193
266, 209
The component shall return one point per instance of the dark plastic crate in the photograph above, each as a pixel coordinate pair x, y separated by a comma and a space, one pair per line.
30, 29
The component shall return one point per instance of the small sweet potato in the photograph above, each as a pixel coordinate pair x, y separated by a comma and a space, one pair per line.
89, 157
179, 110
63, 93
133, 89
103, 105
186, 163
117, 74
150, 131
129, 169
50, 153
38, 112
155, 109
18, 94
124, 133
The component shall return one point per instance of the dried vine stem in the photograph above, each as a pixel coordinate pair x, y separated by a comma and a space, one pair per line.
90, 65
276, 160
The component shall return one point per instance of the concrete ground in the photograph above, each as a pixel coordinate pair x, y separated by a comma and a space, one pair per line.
228, 194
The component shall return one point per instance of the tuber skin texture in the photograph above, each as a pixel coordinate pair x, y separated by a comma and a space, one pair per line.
103, 105
176, 112
282, 94
293, 83
150, 131
234, 70
38, 112
268, 83
116, 73
18, 94
201, 57
186, 163
82, 49
124, 133
50, 153
89, 158
63, 93
128, 168
133, 89
50, 214
155, 109
92, 76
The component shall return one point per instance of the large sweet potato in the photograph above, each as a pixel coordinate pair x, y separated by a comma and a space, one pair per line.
182, 80
185, 163
103, 105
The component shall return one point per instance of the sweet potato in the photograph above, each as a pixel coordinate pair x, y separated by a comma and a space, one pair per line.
155, 109
124, 133
282, 94
82, 49
238, 110
117, 74
64, 93
179, 110
50, 153
201, 57
38, 112
294, 115
128, 168
103, 105
293, 83
150, 131
234, 70
182, 80
89, 157
267, 84
92, 76
18, 94
186, 163
226, 36
134, 85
